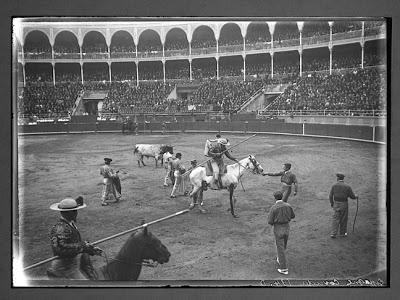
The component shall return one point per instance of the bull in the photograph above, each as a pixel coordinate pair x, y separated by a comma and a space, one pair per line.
151, 150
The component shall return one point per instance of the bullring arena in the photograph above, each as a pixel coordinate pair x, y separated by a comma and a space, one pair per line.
59, 156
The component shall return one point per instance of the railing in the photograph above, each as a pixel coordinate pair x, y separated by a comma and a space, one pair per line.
67, 55
346, 113
123, 54
41, 55
180, 52
230, 48
316, 39
199, 51
95, 55
286, 43
346, 35
258, 46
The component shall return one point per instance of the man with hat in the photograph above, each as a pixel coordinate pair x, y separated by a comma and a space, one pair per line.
338, 196
279, 216
287, 180
216, 149
67, 244
108, 175
178, 169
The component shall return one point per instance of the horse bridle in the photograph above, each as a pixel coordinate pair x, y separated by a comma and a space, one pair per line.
256, 165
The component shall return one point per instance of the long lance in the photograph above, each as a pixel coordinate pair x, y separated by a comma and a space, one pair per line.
114, 236
230, 148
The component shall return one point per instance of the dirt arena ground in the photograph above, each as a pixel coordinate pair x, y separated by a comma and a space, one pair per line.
211, 246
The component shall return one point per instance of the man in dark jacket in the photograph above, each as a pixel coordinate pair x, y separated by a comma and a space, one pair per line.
287, 180
279, 216
67, 244
338, 196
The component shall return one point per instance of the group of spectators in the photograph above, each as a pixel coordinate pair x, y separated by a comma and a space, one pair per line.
124, 97
360, 89
48, 100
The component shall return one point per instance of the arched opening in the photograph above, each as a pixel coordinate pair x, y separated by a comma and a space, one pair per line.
177, 69
231, 66
151, 70
346, 56
345, 26
122, 45
316, 59
286, 34
125, 71
94, 45
68, 72
37, 45
203, 37
149, 43
66, 45
38, 72
286, 63
176, 39
258, 65
204, 68
375, 53
95, 72
257, 32
230, 35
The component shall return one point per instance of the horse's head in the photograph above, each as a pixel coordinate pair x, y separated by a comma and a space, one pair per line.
153, 248
254, 165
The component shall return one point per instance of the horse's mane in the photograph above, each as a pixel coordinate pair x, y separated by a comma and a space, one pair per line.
136, 239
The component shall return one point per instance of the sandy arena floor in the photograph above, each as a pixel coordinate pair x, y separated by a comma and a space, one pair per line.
211, 246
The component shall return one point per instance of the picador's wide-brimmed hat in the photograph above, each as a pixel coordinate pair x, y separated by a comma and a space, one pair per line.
68, 204
224, 142
106, 159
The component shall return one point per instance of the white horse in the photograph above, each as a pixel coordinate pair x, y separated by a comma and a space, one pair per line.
230, 179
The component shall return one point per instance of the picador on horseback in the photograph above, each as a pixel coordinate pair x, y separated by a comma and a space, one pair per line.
216, 149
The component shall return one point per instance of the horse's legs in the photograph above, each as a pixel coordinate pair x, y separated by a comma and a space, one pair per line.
231, 189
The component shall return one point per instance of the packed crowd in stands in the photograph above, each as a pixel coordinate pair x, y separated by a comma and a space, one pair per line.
311, 29
361, 89
258, 34
97, 48
177, 72
122, 48
66, 49
48, 100
204, 43
225, 95
342, 26
176, 45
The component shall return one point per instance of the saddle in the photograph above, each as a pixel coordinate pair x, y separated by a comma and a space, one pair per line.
209, 169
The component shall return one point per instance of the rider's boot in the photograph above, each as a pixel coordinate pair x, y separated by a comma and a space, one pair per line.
220, 182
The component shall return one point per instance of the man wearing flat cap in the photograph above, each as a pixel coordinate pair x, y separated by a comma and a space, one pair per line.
67, 244
338, 196
287, 180
281, 213
109, 176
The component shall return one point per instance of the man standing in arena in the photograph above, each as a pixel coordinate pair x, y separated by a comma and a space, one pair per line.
108, 175
167, 158
279, 216
338, 196
67, 244
216, 149
178, 169
287, 179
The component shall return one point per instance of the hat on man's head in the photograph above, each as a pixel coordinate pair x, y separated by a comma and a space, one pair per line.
107, 159
278, 195
193, 161
287, 165
68, 204
340, 176
218, 136
178, 155
224, 142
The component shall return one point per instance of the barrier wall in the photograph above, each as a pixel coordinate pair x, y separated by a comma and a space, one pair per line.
363, 133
